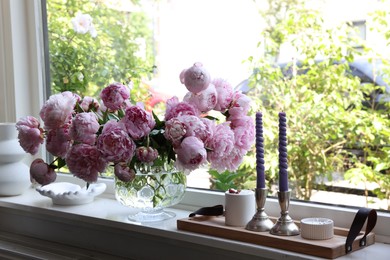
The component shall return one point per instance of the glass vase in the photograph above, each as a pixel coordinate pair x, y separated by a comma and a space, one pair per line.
153, 189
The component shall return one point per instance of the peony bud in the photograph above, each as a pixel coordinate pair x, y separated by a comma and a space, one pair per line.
196, 78
41, 172
146, 154
123, 172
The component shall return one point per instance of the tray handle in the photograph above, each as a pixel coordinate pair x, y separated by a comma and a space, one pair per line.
216, 210
357, 225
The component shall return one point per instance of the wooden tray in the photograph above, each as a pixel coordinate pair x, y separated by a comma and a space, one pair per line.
331, 248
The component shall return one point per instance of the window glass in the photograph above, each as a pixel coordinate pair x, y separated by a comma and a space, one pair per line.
321, 65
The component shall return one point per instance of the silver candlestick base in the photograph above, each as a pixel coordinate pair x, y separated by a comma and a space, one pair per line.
260, 221
285, 226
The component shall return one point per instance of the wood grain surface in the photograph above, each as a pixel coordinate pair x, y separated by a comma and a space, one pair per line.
330, 248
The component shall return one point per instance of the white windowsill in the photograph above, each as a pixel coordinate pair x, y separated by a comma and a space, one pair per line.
101, 229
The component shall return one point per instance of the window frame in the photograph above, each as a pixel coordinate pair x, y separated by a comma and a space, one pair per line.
21, 66
22, 73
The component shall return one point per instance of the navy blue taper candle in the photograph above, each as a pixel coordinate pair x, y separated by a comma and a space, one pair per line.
260, 181
283, 177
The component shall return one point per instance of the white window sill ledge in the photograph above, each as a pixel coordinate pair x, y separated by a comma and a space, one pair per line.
101, 229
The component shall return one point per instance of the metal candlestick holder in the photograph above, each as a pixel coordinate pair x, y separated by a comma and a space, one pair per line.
260, 221
285, 226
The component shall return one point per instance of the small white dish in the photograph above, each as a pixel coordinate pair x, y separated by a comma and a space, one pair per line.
65, 193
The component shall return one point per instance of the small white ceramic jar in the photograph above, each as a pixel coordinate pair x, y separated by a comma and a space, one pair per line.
317, 228
239, 208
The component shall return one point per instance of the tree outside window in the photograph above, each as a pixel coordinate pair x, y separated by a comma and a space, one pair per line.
92, 44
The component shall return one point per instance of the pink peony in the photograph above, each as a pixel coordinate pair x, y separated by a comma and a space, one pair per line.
175, 130
114, 96
210, 126
176, 108
58, 109
85, 162
58, 141
204, 101
123, 172
221, 144
229, 162
146, 154
115, 144
224, 94
236, 121
84, 128
244, 132
240, 105
102, 109
41, 172
191, 154
138, 122
194, 126
128, 104
30, 134
196, 78
171, 103
74, 95
89, 104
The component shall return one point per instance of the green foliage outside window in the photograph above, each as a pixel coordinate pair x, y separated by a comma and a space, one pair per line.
121, 50
327, 121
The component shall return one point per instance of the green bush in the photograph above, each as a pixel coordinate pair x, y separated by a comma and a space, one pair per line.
122, 50
323, 103
326, 118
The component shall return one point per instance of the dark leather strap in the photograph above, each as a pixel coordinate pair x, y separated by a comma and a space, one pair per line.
357, 225
209, 211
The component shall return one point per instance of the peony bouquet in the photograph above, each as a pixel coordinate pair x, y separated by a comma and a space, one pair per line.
87, 134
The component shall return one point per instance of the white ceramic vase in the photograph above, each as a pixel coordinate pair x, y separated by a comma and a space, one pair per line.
14, 174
